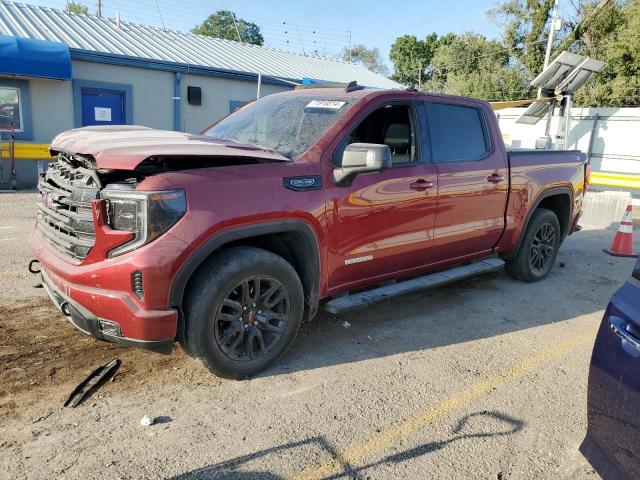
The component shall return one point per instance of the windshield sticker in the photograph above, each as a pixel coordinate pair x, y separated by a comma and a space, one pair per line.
326, 104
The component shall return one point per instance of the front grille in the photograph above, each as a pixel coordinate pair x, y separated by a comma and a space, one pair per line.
64, 207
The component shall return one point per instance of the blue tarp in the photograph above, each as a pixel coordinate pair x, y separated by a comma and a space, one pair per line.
27, 57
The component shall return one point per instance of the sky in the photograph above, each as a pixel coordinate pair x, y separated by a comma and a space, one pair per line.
317, 27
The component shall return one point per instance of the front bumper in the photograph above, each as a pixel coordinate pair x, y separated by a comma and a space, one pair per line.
99, 328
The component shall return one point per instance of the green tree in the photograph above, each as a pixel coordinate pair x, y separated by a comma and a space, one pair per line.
472, 66
224, 24
526, 30
368, 57
614, 37
73, 7
411, 58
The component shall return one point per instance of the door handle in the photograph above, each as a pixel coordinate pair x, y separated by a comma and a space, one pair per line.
617, 326
495, 178
422, 185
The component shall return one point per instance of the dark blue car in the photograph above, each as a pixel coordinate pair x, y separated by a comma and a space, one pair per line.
612, 444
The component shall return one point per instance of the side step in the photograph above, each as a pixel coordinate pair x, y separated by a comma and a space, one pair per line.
369, 297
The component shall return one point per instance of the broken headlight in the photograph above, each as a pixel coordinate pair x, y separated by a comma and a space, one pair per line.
147, 214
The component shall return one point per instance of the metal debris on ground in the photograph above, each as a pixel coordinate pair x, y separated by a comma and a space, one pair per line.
94, 381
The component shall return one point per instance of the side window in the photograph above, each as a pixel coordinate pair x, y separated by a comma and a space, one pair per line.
10, 109
392, 125
15, 108
458, 133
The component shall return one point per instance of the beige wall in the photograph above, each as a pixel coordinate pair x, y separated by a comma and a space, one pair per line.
52, 102
152, 90
216, 95
51, 108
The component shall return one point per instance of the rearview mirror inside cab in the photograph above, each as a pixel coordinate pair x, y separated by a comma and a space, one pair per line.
361, 158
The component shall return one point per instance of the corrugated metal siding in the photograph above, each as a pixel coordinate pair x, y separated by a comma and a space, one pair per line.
87, 32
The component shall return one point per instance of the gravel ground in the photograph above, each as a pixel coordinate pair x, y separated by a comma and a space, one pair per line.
483, 379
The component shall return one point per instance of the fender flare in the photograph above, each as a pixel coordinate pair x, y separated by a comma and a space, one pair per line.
550, 192
312, 251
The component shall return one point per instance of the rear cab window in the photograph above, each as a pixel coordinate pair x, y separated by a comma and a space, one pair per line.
458, 133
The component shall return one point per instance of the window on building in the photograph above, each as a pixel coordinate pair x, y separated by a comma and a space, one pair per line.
457, 133
10, 109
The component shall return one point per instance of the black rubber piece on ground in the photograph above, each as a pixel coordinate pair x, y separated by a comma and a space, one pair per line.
207, 290
520, 267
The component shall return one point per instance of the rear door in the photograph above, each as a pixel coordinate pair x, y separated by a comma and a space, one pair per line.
612, 444
473, 179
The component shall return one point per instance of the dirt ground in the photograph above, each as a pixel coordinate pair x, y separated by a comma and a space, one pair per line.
484, 379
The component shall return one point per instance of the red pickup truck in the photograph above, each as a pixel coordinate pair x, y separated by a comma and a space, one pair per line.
227, 240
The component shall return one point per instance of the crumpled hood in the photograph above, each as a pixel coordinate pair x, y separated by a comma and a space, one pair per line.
123, 147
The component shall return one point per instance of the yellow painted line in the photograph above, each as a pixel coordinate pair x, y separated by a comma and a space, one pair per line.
27, 151
615, 180
444, 408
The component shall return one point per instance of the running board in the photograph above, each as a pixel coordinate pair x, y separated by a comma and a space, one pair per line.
346, 303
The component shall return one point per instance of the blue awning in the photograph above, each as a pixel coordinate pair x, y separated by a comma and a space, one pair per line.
34, 58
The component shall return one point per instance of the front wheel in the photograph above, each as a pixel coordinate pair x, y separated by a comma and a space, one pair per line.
539, 248
243, 310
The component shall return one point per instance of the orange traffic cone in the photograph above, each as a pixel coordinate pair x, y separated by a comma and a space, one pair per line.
622, 245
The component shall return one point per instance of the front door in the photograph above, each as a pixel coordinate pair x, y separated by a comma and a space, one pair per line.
382, 224
102, 107
473, 180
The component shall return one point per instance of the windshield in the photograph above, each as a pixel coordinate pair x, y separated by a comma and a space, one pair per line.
289, 124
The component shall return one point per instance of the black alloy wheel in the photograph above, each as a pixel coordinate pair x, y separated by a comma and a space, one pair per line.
543, 247
252, 318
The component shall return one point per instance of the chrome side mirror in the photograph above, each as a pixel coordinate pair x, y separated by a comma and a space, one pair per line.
361, 158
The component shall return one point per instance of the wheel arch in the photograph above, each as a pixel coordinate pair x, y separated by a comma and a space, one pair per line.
294, 240
557, 199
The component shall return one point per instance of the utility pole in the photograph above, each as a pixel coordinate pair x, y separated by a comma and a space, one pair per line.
420, 75
552, 31
350, 47
99, 9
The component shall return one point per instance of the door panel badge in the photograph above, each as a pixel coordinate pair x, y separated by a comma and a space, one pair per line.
303, 184
351, 261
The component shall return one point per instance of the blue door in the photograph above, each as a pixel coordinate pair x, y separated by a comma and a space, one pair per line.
102, 107
612, 444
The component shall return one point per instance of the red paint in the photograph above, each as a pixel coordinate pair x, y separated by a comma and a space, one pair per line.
106, 238
410, 219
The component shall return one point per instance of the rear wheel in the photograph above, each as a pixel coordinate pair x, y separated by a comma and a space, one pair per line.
243, 310
539, 248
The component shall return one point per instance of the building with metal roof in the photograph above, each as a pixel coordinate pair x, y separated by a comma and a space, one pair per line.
62, 70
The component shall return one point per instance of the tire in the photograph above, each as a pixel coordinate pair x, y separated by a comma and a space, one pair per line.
233, 342
539, 248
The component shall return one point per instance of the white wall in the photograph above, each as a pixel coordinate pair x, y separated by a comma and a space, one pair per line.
616, 142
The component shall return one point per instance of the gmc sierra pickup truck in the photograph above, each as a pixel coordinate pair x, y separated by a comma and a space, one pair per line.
227, 240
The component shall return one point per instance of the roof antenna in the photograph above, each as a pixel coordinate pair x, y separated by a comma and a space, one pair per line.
301, 41
233, 15
160, 15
